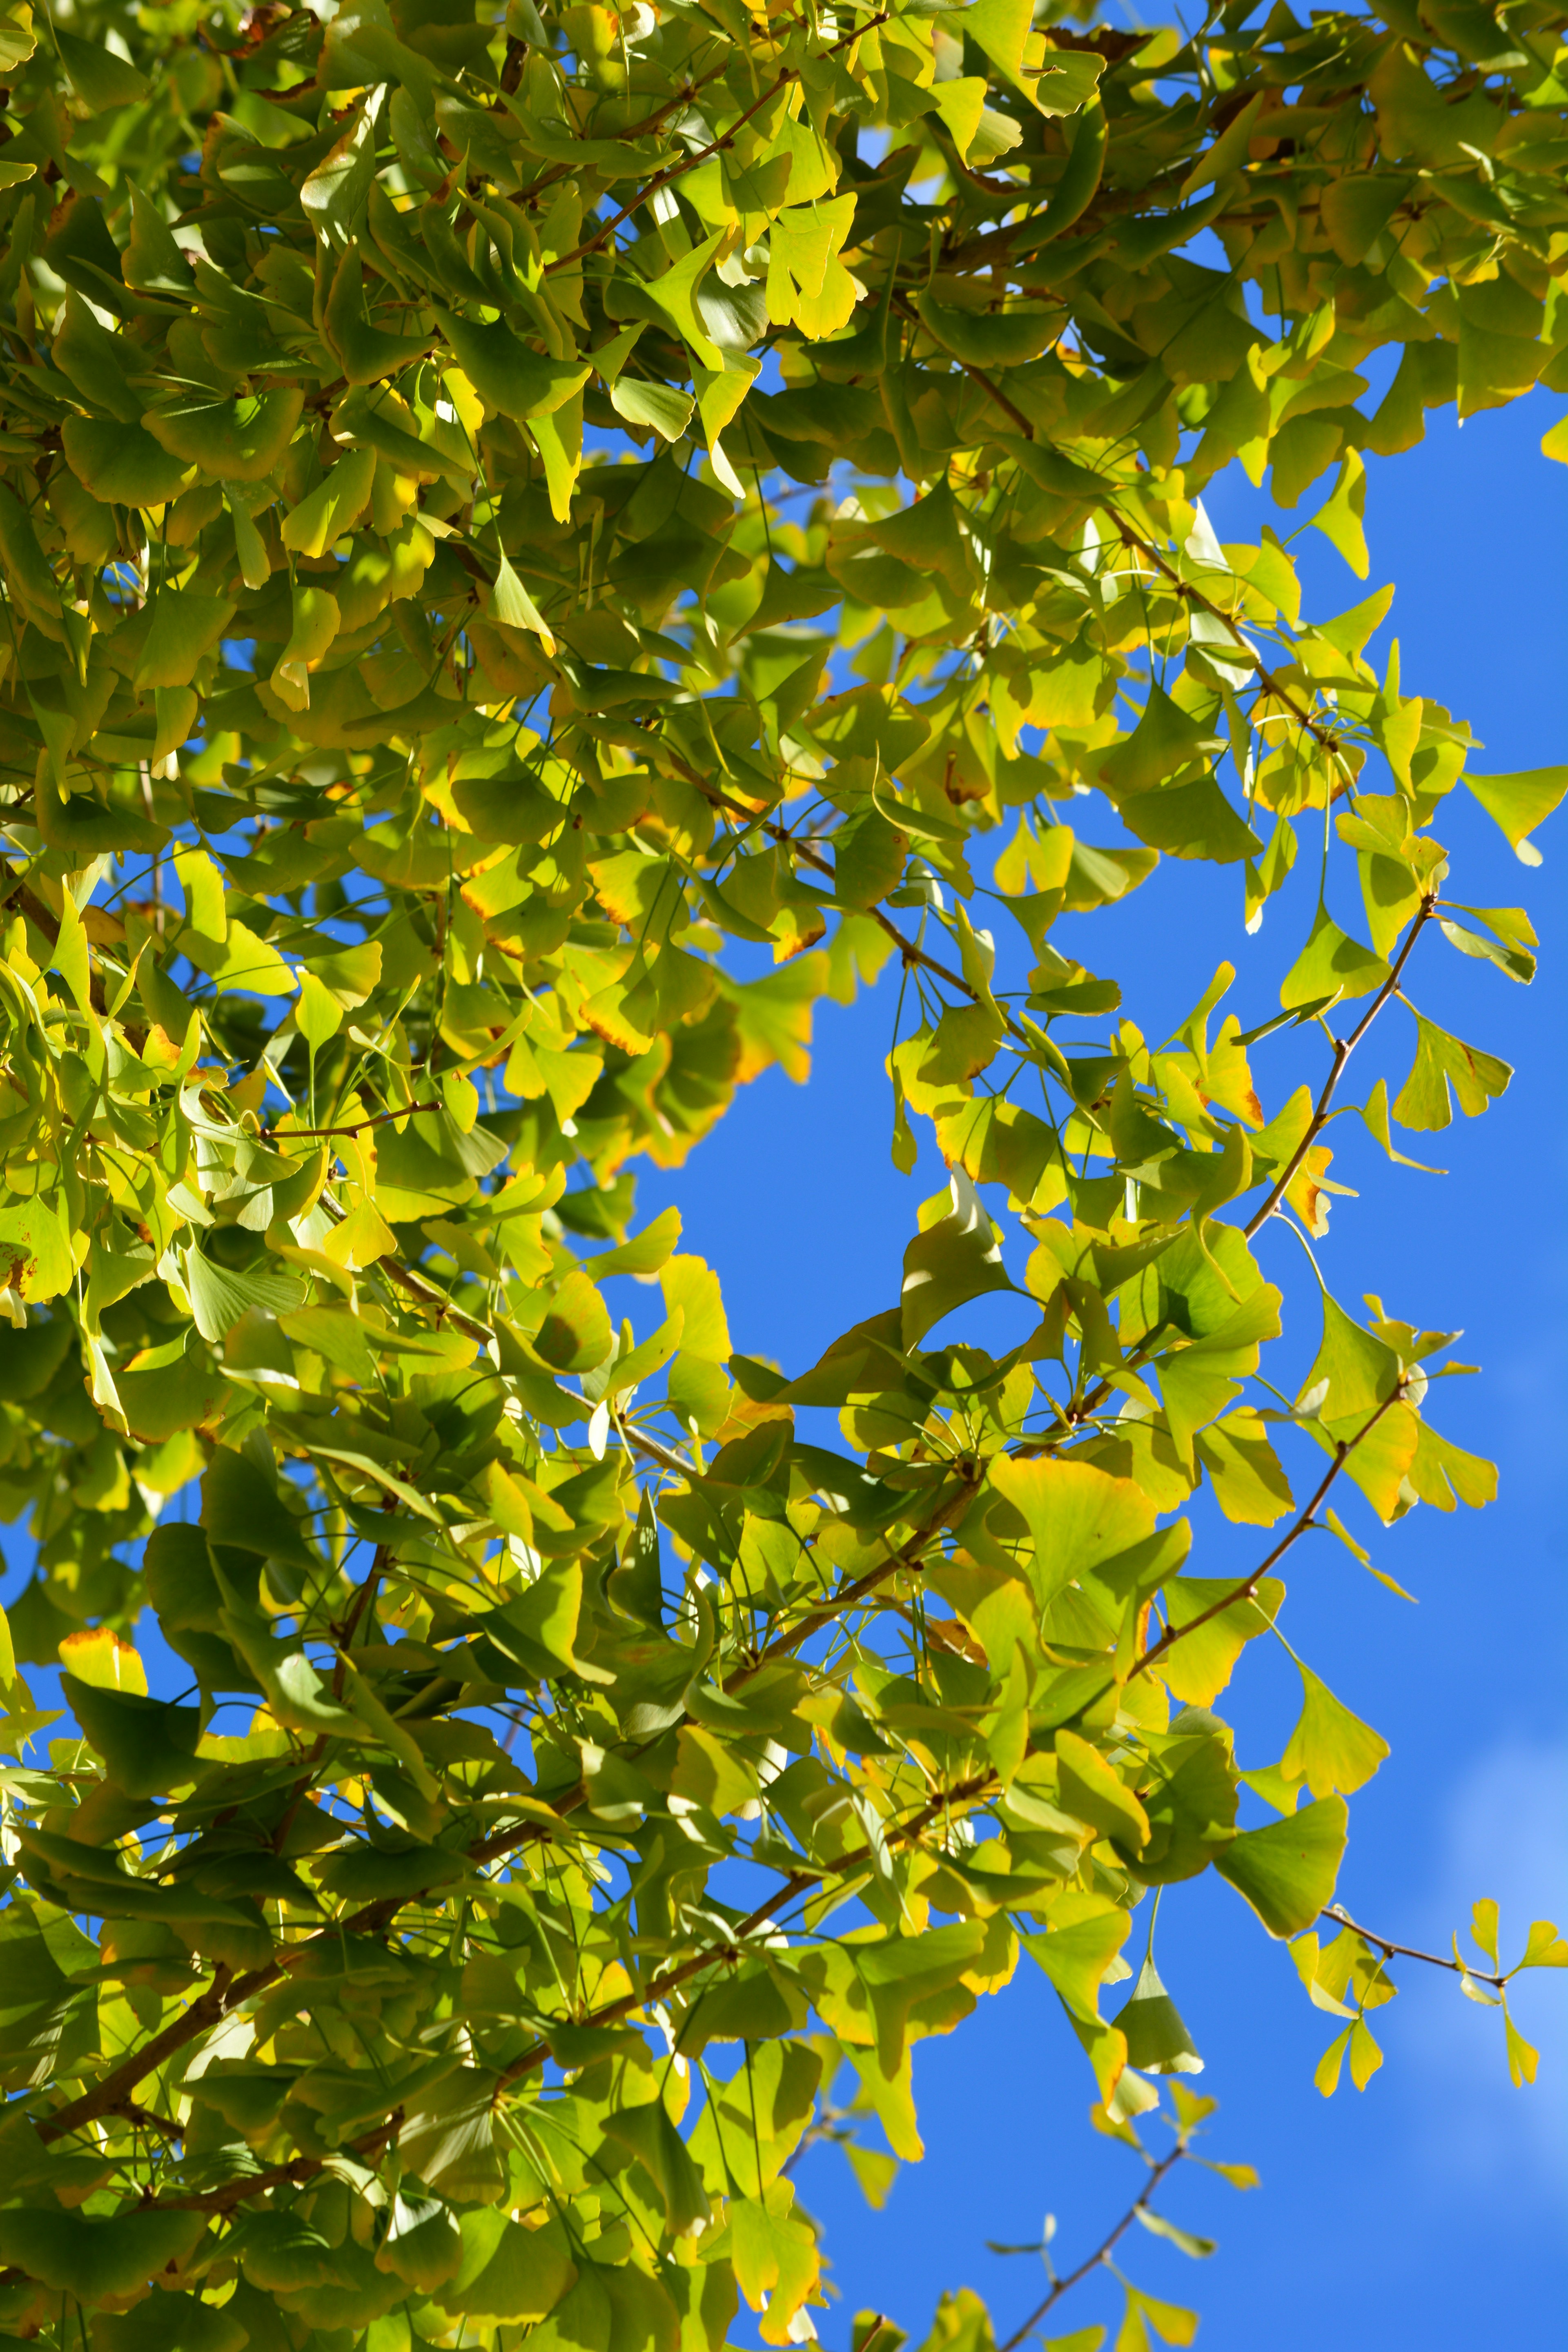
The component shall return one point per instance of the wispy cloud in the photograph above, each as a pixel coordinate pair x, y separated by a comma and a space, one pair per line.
1507, 1836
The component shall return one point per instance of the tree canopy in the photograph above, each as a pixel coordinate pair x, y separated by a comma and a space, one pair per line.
536, 547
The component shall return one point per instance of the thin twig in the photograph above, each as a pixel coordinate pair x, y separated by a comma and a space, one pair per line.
224, 1994
1248, 1589
288, 1134
906, 1556
798, 1882
1102, 2252
909, 949
1341, 1918
1343, 1049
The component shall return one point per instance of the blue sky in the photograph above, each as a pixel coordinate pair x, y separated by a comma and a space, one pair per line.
1430, 2210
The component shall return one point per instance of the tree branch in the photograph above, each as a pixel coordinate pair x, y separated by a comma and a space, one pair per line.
224, 1994
288, 1134
1102, 2252
1343, 1049
1341, 1918
797, 1883
1248, 1589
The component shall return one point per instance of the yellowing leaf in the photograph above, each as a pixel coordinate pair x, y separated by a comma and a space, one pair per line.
1331, 1748
103, 1660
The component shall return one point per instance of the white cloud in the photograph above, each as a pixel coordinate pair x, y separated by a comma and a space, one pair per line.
1506, 1835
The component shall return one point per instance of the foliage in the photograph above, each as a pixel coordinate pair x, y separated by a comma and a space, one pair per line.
439, 768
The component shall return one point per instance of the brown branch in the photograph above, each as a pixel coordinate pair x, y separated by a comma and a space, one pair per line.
224, 1994
1343, 1049
1248, 1589
1341, 1918
1102, 2252
278, 2176
417, 1285
288, 1134
109, 2096
144, 2119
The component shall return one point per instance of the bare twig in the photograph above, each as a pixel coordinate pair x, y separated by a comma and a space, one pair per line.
1341, 1918
1063, 2285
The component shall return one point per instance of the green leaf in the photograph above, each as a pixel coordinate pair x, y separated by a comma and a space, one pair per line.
242, 1507
96, 361
220, 1295
1519, 803
1192, 820
149, 1746
334, 506
1093, 1791
1286, 1872
1339, 517
575, 1333
507, 2271
1166, 740
1354, 1372
658, 2148
657, 405
233, 441
1159, 2226
101, 78
1332, 967
955, 1260
1331, 1748
170, 2321
512, 607
186, 626
1522, 2058
424, 2243
508, 376
1157, 2041
94, 2256
1546, 1947
1443, 1063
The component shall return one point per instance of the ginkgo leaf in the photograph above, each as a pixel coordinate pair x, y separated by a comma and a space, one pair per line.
220, 1295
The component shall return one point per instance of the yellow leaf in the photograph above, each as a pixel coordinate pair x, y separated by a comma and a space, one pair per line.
102, 1658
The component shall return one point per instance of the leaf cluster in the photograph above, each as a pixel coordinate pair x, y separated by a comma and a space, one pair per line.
534, 549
